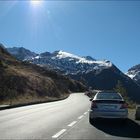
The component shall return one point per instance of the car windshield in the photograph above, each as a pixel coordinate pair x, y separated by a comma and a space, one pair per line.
108, 96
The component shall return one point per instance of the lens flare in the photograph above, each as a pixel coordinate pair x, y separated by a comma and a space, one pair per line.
36, 2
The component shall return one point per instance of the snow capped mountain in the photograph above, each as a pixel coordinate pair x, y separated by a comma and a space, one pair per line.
61, 61
134, 73
91, 72
69, 63
63, 55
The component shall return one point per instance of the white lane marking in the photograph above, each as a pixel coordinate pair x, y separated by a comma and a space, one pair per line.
73, 123
80, 117
58, 134
85, 113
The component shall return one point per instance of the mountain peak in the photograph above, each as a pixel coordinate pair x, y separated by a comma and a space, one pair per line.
45, 54
134, 73
97, 74
89, 58
63, 54
61, 60
21, 53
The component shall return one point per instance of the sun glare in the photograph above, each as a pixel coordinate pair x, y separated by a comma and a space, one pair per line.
36, 2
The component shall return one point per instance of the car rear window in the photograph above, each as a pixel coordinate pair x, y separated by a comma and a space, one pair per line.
108, 96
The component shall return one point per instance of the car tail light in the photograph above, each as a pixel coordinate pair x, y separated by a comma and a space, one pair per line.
93, 105
124, 105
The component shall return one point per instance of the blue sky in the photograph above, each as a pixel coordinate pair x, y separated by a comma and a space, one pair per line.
101, 29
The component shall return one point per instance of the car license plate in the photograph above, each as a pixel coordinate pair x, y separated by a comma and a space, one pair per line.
109, 107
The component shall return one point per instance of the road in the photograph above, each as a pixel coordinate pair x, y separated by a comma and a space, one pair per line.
67, 119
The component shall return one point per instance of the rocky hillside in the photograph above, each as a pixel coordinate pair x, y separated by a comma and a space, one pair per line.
134, 73
24, 82
91, 72
21, 53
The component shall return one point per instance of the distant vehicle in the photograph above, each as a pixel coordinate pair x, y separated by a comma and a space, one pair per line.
137, 115
108, 105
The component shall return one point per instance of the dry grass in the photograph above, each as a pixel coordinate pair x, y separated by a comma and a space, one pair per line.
21, 82
27, 99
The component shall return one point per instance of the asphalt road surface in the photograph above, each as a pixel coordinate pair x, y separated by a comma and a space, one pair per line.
67, 119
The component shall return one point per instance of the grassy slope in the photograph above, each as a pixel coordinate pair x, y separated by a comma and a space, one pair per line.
21, 82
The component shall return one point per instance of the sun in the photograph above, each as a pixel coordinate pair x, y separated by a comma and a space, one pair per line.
36, 2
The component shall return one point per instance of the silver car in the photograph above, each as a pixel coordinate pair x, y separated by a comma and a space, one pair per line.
108, 105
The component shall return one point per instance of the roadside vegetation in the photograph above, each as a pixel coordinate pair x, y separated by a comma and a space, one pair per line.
120, 89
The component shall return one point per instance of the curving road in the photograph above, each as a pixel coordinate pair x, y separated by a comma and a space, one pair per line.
67, 119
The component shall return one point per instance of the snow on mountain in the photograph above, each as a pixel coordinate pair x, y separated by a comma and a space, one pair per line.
70, 63
134, 73
131, 74
92, 73
62, 54
62, 61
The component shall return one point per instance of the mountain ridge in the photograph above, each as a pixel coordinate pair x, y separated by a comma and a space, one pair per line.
93, 73
74, 63
24, 82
